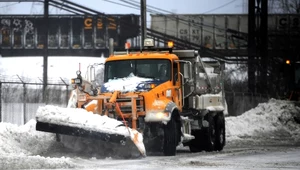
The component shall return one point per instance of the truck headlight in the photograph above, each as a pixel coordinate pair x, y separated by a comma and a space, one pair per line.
161, 115
149, 85
157, 116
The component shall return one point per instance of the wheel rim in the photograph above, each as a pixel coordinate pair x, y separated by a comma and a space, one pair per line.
221, 136
213, 135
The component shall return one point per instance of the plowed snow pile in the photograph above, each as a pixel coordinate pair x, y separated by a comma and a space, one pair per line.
21, 147
272, 122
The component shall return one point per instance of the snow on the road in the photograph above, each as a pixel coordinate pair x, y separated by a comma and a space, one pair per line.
22, 147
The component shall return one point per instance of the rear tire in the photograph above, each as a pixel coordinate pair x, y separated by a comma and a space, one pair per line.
209, 134
204, 138
170, 138
220, 132
195, 145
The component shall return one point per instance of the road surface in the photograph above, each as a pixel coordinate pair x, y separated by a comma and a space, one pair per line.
243, 156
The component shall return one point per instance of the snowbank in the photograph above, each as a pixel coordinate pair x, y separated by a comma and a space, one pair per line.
271, 121
23, 139
21, 147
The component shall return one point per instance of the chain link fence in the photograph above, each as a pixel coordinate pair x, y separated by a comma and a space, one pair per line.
20, 100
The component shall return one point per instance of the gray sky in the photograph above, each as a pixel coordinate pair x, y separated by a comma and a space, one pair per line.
177, 6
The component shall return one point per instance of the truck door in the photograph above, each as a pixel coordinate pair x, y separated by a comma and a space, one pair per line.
177, 98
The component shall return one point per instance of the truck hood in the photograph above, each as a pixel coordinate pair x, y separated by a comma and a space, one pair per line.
128, 84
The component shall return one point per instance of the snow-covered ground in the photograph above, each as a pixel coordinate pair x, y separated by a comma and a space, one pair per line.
22, 147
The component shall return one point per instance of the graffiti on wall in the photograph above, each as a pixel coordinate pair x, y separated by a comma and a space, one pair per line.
17, 25
67, 31
14, 29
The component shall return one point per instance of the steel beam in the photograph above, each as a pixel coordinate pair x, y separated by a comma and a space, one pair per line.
0, 101
20, 0
251, 46
45, 58
263, 45
143, 22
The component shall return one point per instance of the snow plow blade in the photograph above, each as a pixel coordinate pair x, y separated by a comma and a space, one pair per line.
80, 132
84, 124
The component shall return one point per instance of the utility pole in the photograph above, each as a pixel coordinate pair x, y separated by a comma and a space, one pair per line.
263, 44
0, 101
251, 46
258, 45
45, 58
143, 22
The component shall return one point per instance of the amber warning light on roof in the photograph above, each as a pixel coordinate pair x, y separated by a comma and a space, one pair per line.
170, 44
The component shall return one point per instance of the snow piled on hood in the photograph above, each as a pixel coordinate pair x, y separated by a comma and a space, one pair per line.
126, 84
21, 147
271, 121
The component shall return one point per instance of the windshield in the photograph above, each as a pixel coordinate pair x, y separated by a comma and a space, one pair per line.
158, 69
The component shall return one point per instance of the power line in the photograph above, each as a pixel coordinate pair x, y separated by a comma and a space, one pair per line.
181, 20
211, 10
8, 5
228, 3
121, 4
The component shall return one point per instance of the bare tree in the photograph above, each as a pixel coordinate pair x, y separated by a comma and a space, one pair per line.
278, 6
284, 6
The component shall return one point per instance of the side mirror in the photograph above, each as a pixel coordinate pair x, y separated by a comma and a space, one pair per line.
186, 71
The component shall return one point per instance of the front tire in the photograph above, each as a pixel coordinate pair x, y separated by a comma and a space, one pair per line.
170, 138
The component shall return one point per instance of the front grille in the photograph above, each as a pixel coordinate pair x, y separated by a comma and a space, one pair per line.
126, 105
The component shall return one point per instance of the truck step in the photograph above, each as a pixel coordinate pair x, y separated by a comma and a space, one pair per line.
187, 137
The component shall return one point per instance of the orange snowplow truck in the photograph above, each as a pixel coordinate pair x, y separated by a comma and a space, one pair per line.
171, 97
